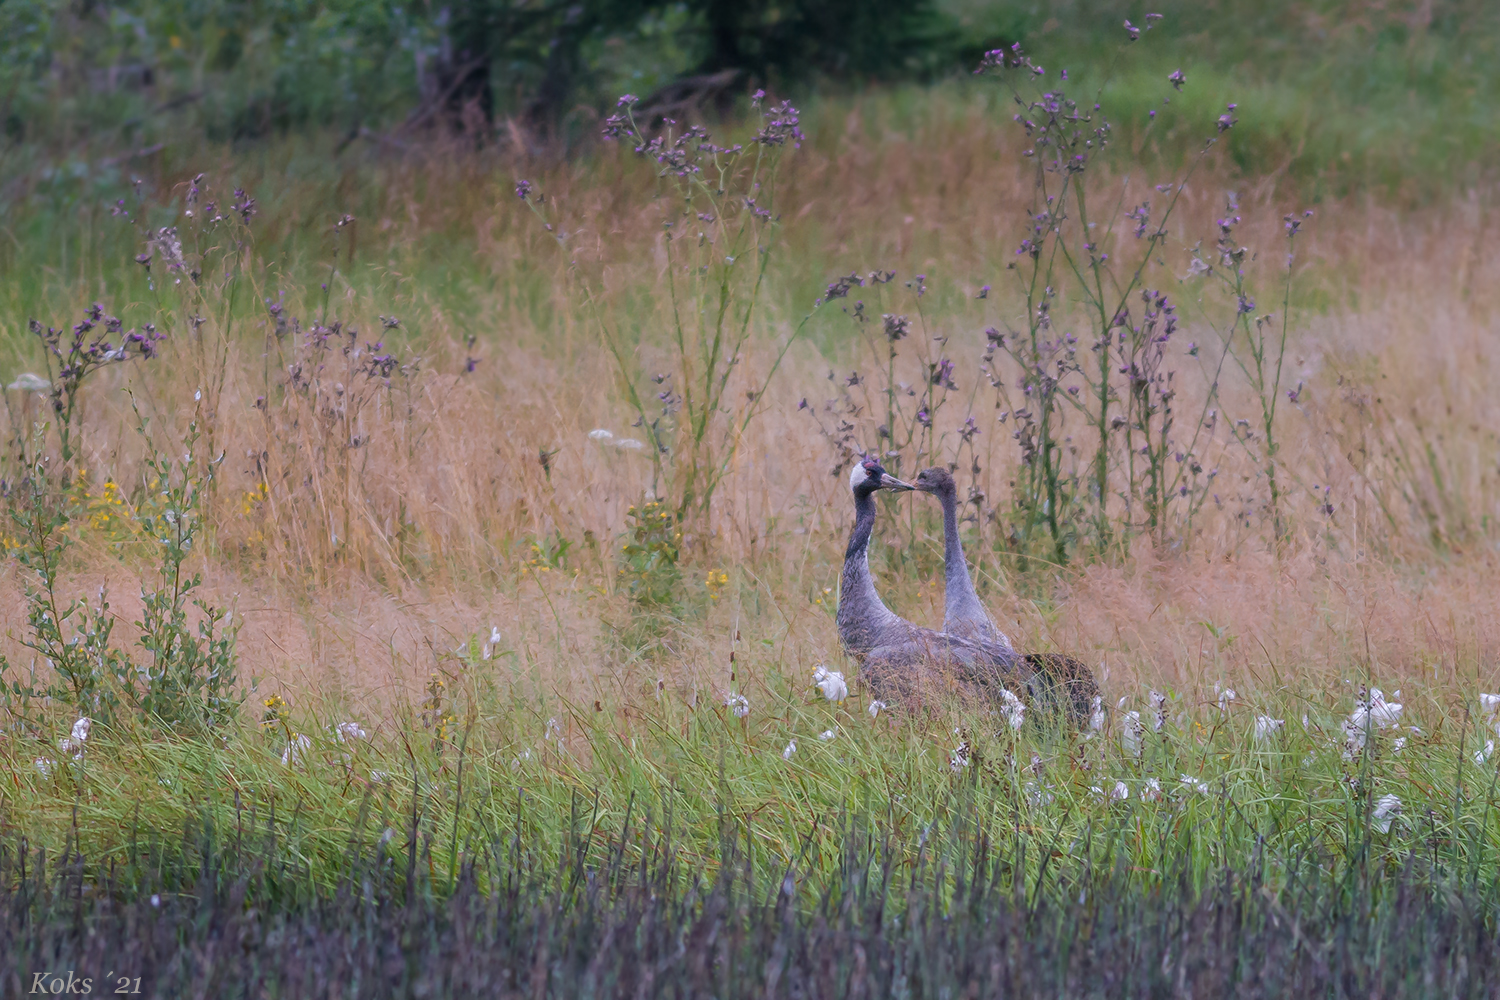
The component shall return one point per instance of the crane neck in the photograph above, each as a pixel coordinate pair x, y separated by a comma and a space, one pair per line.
958, 586
860, 607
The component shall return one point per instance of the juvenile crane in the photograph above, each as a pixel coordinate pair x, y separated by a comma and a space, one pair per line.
963, 615
1057, 677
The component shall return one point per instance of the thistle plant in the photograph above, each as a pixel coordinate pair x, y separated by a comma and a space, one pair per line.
1257, 343
74, 355
1161, 468
1072, 253
195, 271
1084, 372
881, 412
719, 231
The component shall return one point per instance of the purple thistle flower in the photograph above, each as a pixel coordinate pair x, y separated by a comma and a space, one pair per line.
244, 205
782, 127
840, 287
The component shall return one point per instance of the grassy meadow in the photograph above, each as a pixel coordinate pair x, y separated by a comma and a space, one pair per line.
522, 507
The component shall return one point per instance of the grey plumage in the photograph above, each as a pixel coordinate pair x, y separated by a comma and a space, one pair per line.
1053, 679
899, 660
963, 614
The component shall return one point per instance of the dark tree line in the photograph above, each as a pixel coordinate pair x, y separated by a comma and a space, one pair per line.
536, 54
243, 68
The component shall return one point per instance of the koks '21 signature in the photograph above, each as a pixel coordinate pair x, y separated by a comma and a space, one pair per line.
61, 984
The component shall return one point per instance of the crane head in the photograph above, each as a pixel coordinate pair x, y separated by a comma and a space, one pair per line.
867, 476
936, 480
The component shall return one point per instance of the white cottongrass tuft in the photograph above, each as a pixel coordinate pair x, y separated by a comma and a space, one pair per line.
74, 744
1383, 713
962, 756
1096, 714
827, 735
1151, 790
1480, 756
295, 750
1036, 795
831, 683
44, 765
738, 704
1398, 744
791, 748
554, 730
1192, 784
1354, 738
600, 434
1014, 709
1386, 810
30, 382
1120, 792
876, 707
1227, 697
629, 444
1132, 734
1489, 704
1158, 711
1266, 727
348, 732
494, 642
1373, 713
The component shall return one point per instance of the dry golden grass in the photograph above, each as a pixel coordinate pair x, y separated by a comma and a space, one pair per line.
1392, 338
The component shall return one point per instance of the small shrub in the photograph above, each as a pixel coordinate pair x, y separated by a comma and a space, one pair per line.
648, 560
187, 676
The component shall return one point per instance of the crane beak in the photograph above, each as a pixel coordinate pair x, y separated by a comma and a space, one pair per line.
890, 482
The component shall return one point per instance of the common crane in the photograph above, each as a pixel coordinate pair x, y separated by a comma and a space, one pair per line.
1052, 674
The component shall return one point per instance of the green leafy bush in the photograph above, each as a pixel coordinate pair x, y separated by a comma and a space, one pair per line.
184, 674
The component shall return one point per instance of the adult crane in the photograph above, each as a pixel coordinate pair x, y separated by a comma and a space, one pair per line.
965, 617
